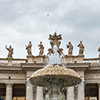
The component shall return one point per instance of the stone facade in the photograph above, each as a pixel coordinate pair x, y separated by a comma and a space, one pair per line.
14, 74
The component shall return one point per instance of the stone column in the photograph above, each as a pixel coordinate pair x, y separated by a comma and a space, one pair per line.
81, 86
29, 91
75, 92
81, 91
9, 91
99, 91
66, 92
70, 93
39, 93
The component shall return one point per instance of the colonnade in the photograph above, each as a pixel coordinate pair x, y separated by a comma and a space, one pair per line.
29, 92
39, 92
71, 93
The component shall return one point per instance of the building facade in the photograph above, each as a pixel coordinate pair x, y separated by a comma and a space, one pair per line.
14, 74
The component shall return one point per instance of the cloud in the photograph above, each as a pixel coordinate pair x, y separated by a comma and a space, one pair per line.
25, 20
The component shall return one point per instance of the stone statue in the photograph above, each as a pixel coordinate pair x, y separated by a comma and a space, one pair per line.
61, 94
41, 48
99, 51
50, 51
70, 48
55, 40
47, 96
28, 48
60, 51
81, 48
10, 52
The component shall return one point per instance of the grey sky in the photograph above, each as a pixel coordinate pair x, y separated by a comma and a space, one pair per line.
22, 21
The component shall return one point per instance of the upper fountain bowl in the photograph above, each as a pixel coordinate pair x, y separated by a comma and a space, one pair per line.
55, 75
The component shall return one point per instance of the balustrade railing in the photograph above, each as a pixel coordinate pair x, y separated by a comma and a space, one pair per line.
91, 60
18, 61
14, 61
3, 60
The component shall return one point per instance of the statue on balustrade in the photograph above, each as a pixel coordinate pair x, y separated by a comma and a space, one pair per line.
60, 51
50, 51
70, 48
10, 52
99, 51
28, 48
81, 48
55, 40
41, 48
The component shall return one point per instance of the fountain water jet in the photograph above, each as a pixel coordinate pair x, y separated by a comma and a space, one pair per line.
54, 58
55, 76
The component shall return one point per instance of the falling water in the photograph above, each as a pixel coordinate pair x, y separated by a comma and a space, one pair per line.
54, 58
56, 91
77, 90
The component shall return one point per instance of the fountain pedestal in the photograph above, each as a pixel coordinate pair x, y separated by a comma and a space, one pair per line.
54, 93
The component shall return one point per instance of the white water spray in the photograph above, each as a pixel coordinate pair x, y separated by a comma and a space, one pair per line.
54, 58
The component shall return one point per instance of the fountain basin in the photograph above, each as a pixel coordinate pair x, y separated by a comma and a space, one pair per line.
55, 75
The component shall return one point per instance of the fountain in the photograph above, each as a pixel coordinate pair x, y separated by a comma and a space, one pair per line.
55, 76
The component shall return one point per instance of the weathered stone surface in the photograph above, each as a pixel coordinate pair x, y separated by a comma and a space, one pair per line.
46, 76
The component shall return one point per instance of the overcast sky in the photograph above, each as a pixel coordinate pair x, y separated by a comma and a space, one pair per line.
22, 21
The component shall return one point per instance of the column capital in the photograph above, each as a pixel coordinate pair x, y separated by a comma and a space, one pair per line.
9, 84
27, 83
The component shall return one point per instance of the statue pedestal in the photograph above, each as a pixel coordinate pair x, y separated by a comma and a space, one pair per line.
80, 58
69, 59
40, 59
74, 59
9, 61
30, 59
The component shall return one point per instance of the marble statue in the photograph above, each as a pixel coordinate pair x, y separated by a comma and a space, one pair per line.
99, 51
70, 48
60, 51
47, 96
61, 94
41, 48
28, 48
81, 48
10, 51
55, 40
49, 51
